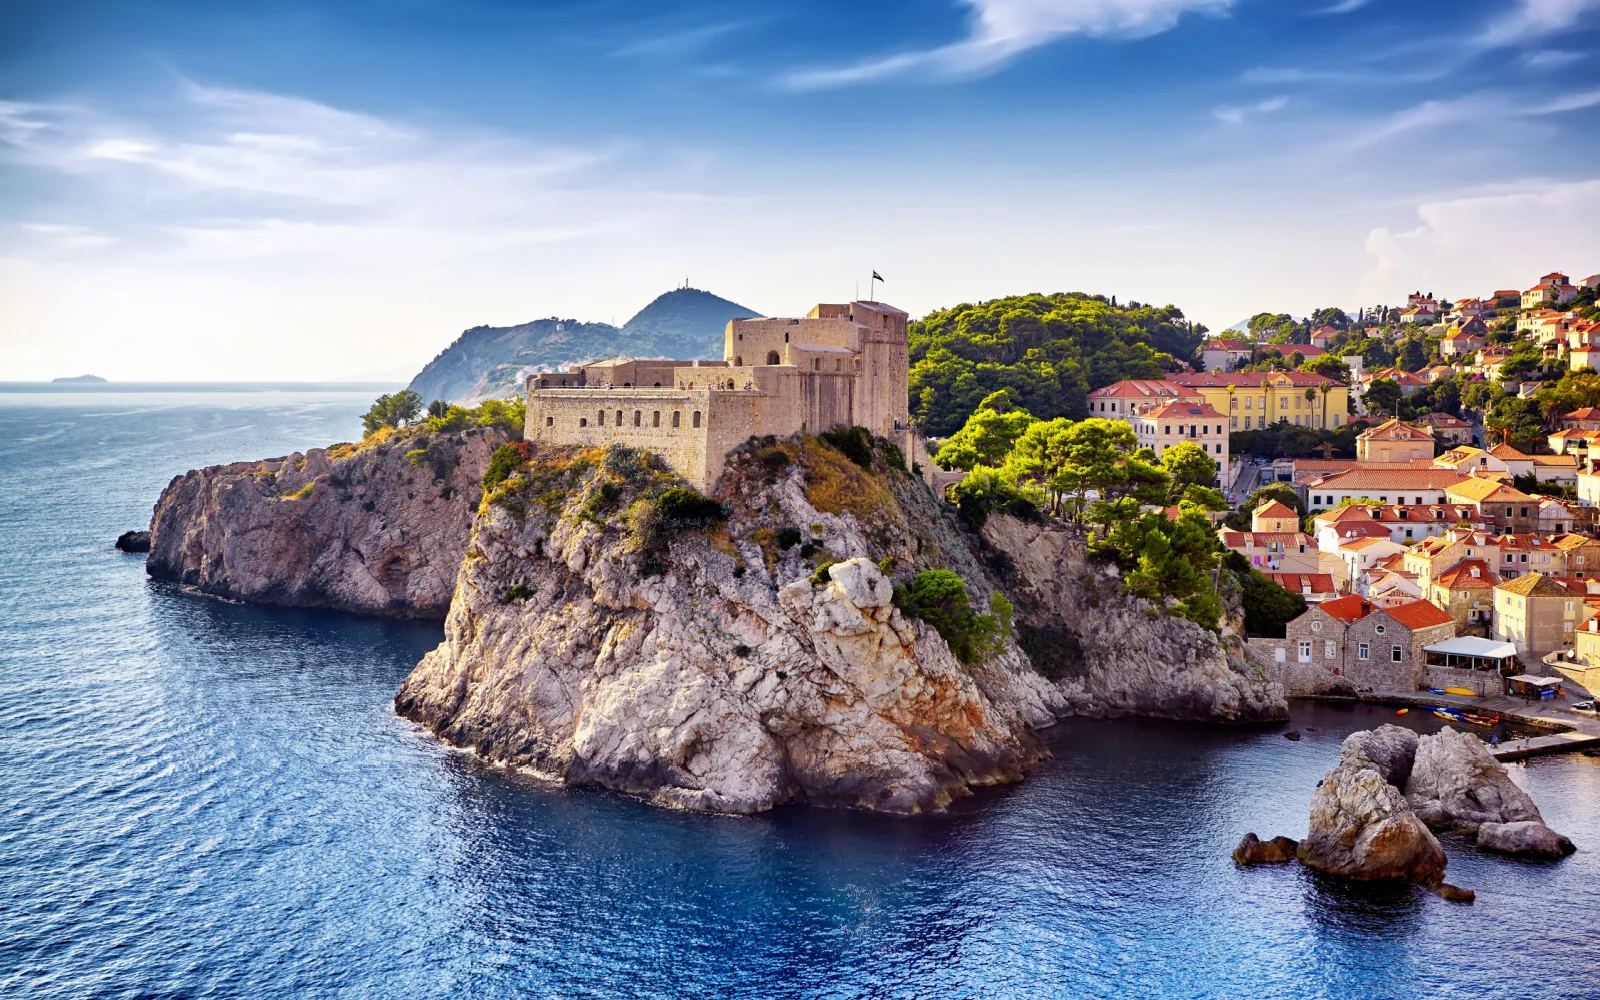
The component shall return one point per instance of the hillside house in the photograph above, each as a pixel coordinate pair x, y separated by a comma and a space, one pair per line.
1394, 440
1536, 615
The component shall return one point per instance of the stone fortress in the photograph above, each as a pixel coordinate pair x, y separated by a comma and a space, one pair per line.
839, 366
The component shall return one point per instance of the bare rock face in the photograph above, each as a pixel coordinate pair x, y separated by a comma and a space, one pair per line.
1389, 749
1362, 827
133, 541
717, 668
1456, 784
1109, 657
1254, 851
1526, 838
378, 529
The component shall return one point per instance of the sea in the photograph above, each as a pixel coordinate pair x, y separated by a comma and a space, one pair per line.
206, 799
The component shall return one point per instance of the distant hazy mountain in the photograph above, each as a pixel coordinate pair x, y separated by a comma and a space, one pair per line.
79, 378
492, 361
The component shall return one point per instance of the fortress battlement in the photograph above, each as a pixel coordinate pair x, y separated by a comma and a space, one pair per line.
840, 365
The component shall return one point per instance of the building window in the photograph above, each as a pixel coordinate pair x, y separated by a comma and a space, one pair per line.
638, 418
1329, 649
816, 364
697, 418
1305, 652
619, 418
738, 362
600, 419
549, 421
1394, 654
583, 421
676, 417
772, 356
1361, 651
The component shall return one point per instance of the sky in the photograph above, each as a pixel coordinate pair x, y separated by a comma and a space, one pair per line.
289, 190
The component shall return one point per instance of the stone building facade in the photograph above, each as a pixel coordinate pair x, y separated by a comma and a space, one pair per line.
1353, 642
840, 365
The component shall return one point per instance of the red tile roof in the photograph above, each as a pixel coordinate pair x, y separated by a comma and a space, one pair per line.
1275, 508
1141, 388
1184, 408
1348, 609
1395, 429
1225, 344
1318, 583
1459, 576
1392, 479
1418, 614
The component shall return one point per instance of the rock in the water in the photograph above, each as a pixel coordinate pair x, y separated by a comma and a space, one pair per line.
1254, 851
377, 529
712, 668
1454, 893
133, 541
1107, 653
1390, 749
1527, 838
1456, 784
1362, 828
1293, 734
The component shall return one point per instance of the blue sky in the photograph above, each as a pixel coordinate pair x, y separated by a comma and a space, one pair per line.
251, 190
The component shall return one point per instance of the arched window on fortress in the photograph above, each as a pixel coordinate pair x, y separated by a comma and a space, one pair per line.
619, 418
837, 364
600, 419
655, 418
583, 421
675, 415
638, 417
549, 421
697, 418
730, 383
816, 364
738, 362
772, 356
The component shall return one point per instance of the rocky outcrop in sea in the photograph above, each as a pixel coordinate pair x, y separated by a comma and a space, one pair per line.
763, 657
377, 528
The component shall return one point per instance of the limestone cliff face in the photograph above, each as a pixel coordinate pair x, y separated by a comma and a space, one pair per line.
1112, 655
378, 529
714, 668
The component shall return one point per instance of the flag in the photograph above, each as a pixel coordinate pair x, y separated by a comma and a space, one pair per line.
876, 276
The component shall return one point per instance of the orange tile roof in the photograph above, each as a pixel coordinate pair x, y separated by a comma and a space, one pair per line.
1395, 429
1319, 583
1185, 408
1275, 508
1250, 380
1418, 614
1348, 609
1459, 576
1141, 388
1392, 479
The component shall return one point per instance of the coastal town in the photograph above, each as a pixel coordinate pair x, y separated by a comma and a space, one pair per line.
1430, 494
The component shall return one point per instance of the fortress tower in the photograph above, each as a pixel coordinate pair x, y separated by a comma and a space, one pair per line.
838, 366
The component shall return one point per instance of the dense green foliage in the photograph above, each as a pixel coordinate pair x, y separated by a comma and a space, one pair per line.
1240, 518
987, 436
1049, 349
684, 507
1267, 606
503, 463
939, 597
392, 410
1168, 560
1286, 440
855, 443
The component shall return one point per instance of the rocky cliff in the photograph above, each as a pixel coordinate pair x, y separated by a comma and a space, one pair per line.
740, 657
1111, 655
377, 528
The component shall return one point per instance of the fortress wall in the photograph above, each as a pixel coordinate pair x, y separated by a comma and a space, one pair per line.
751, 340
574, 418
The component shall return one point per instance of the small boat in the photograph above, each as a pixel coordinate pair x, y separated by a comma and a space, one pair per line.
1452, 716
1464, 692
1402, 711
1436, 690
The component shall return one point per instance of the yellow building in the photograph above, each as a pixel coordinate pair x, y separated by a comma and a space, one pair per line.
1536, 614
1252, 400
1394, 440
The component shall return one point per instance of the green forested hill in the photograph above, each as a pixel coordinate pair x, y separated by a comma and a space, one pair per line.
1051, 349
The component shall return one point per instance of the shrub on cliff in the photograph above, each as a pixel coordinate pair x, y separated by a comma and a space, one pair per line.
855, 443
503, 463
939, 597
392, 410
682, 507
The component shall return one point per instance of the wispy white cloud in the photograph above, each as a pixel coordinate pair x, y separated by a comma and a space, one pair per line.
1001, 30
1236, 114
1551, 59
1530, 20
679, 41
1483, 106
1345, 7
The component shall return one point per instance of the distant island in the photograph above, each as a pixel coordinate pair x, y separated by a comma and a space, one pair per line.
489, 362
80, 378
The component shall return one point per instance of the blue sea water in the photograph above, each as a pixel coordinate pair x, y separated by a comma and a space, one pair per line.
203, 799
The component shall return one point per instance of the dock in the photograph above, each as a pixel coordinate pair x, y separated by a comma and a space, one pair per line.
1534, 746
